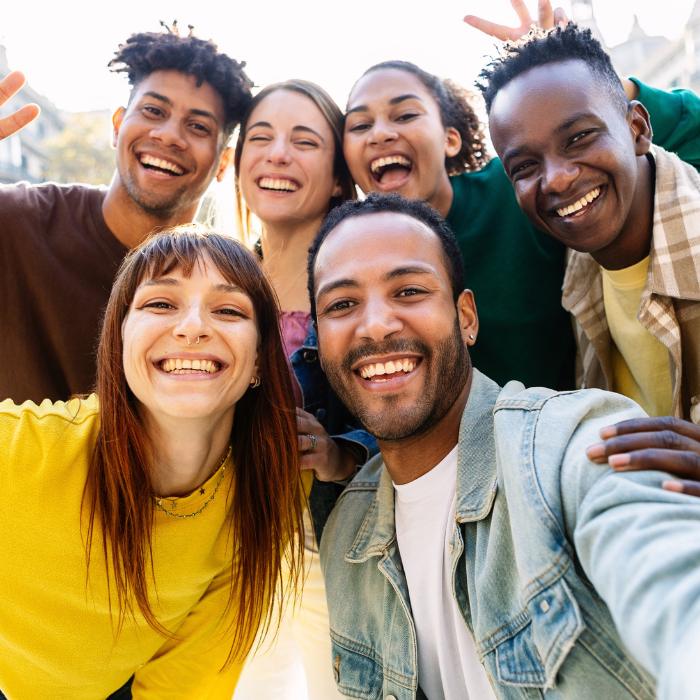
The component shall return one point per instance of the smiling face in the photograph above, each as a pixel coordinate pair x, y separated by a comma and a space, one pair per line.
394, 138
286, 165
190, 344
576, 159
169, 143
391, 341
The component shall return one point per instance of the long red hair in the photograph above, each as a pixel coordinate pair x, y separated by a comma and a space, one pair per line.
267, 502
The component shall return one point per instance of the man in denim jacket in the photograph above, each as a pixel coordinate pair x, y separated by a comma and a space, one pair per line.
482, 554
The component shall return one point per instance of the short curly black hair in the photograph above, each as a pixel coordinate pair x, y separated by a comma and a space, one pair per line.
147, 52
569, 43
455, 111
377, 203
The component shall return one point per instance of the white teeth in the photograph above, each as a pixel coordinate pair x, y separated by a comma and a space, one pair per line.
579, 204
376, 165
177, 364
274, 183
162, 164
391, 367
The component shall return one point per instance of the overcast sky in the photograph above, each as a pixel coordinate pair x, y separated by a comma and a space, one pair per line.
63, 46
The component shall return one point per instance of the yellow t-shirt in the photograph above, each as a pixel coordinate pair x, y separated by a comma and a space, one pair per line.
641, 364
56, 634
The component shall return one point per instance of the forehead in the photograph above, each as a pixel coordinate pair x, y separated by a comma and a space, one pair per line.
541, 98
369, 246
182, 90
380, 86
288, 108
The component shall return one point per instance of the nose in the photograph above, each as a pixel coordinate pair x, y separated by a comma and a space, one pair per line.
192, 327
558, 175
382, 132
278, 152
170, 133
378, 321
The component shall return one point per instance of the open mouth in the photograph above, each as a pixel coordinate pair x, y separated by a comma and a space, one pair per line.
384, 371
160, 165
581, 205
390, 169
278, 184
177, 365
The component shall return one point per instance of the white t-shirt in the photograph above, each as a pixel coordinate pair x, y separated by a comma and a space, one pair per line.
448, 665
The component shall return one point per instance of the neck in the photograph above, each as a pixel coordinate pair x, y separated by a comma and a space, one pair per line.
185, 456
408, 459
285, 255
444, 194
634, 241
128, 221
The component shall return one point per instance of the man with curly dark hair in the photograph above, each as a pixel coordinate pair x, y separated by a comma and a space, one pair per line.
60, 245
585, 171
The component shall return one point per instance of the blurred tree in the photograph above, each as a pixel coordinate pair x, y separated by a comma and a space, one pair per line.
82, 151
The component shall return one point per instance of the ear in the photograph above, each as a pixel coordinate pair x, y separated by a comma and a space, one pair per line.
453, 142
467, 316
640, 127
225, 160
117, 119
337, 189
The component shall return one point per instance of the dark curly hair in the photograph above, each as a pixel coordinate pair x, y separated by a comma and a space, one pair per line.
455, 111
147, 52
377, 203
568, 43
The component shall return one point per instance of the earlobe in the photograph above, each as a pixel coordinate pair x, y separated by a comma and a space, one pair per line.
225, 160
337, 190
117, 119
468, 318
453, 142
640, 127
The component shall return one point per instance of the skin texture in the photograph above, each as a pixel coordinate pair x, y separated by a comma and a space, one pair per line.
397, 304
390, 112
558, 144
166, 318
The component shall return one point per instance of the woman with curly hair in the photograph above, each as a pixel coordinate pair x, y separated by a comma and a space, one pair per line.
148, 528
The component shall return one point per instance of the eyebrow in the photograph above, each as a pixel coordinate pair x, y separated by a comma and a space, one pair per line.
392, 274
300, 127
393, 101
169, 102
172, 282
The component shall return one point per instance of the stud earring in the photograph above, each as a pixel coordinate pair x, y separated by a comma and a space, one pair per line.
255, 381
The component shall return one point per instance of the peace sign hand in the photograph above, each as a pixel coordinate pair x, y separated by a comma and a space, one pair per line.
11, 124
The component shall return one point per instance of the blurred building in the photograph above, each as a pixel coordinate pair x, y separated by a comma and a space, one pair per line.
22, 156
656, 60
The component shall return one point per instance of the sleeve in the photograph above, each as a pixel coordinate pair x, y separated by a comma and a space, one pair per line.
639, 545
675, 120
190, 665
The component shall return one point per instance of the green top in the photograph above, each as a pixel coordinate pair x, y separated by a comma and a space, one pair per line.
516, 271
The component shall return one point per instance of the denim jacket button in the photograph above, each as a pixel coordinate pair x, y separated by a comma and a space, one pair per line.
309, 355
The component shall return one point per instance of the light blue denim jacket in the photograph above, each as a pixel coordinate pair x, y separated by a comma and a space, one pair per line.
539, 529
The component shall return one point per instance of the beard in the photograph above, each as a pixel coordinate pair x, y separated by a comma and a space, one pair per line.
446, 367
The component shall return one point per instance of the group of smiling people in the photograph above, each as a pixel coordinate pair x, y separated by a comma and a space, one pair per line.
157, 531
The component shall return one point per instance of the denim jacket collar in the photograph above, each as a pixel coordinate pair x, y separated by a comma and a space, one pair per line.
476, 477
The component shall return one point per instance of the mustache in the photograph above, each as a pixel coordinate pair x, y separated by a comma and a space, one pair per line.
385, 348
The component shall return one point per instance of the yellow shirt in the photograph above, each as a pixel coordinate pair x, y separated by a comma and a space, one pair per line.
640, 362
56, 634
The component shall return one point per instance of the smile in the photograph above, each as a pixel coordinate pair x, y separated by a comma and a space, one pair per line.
278, 184
579, 204
382, 371
397, 164
161, 165
188, 366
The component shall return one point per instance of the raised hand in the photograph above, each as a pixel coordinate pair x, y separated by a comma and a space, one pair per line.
546, 18
11, 124
668, 444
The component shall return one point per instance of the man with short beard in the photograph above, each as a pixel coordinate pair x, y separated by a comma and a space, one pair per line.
60, 245
482, 554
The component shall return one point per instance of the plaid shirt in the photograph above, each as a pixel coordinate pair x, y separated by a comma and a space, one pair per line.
670, 304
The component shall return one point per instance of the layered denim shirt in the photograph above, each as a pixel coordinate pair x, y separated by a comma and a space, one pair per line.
321, 401
552, 555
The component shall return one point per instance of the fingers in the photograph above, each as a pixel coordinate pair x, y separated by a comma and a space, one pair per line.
308, 442
522, 11
661, 423
18, 120
560, 18
667, 440
500, 31
10, 85
692, 488
685, 465
545, 14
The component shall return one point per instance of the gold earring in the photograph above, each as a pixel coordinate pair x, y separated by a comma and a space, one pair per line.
255, 381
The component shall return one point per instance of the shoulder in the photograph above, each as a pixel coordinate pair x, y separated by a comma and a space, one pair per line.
39, 201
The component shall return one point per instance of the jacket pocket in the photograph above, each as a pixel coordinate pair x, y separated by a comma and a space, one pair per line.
357, 673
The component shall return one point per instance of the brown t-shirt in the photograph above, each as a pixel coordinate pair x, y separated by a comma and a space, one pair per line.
57, 263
